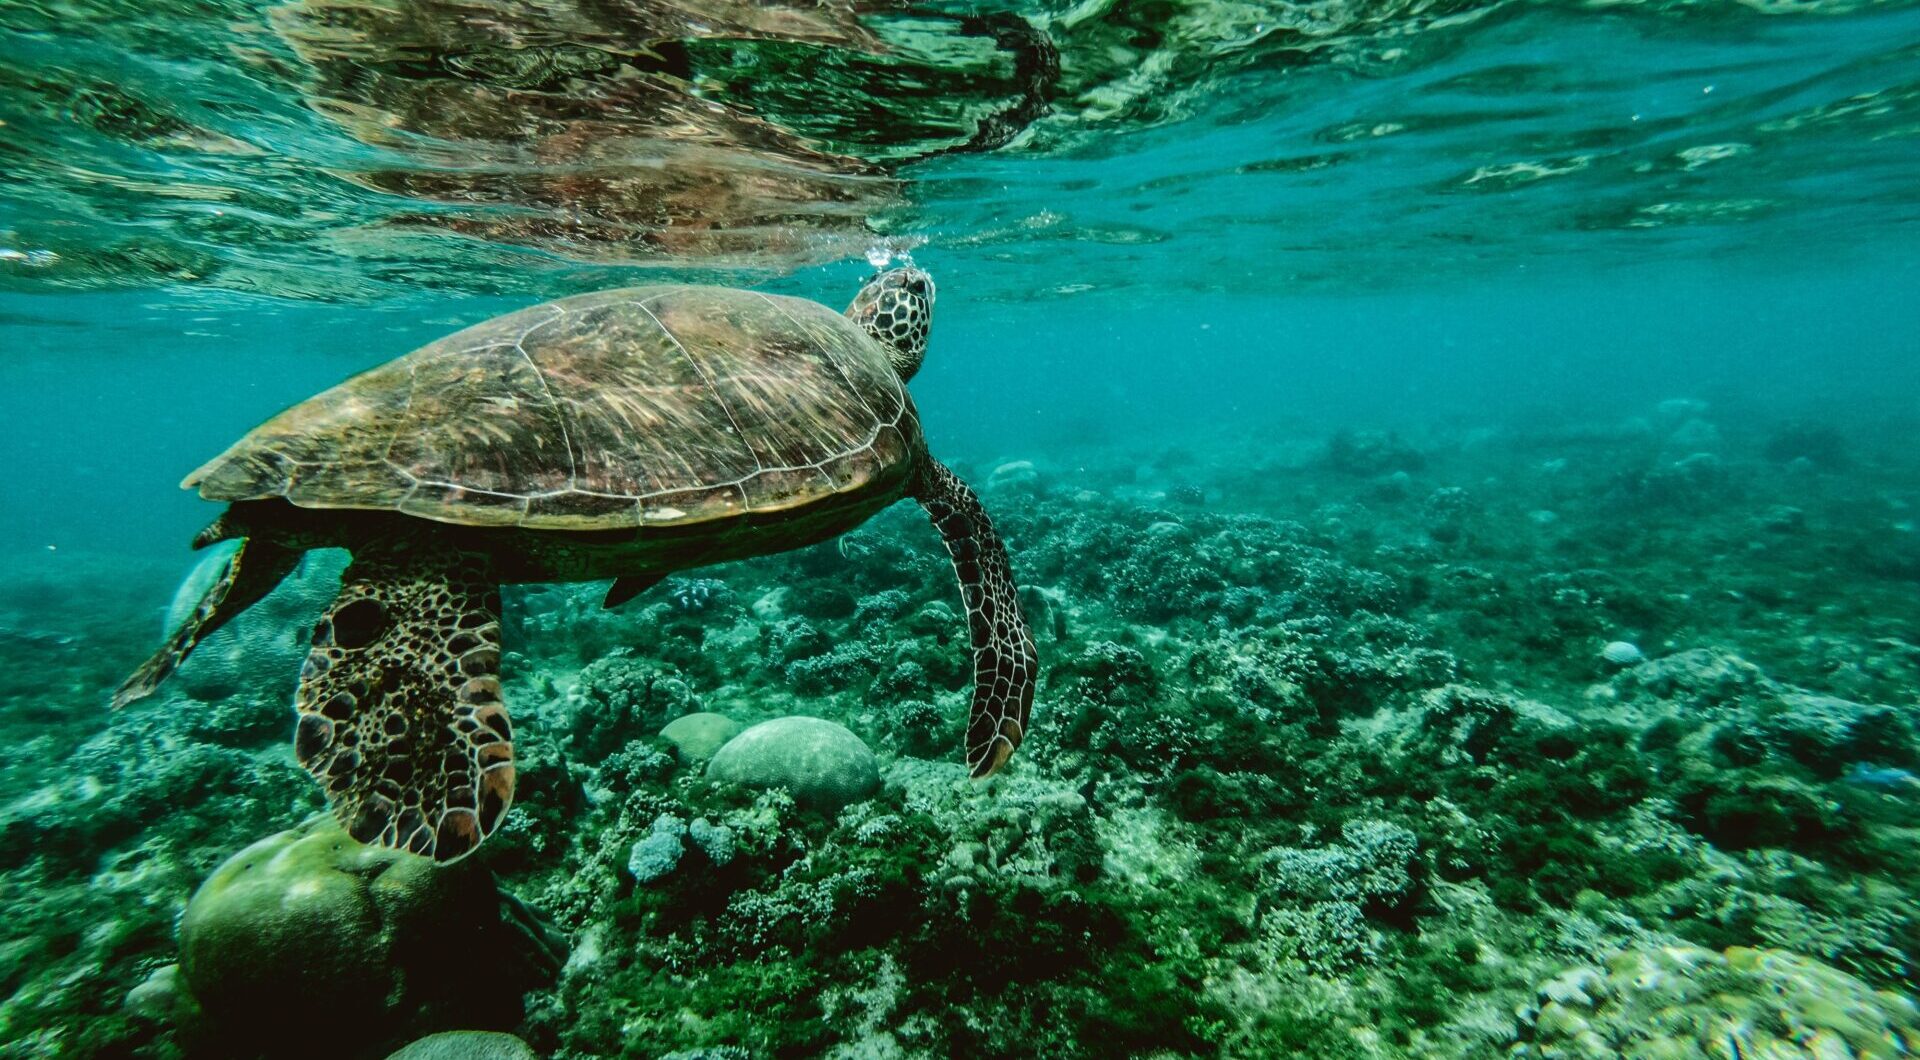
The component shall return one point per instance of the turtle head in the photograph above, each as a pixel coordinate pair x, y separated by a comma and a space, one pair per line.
896, 308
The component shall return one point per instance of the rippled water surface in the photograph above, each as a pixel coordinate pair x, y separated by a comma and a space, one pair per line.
349, 151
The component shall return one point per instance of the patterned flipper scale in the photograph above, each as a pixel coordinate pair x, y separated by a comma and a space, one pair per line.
1004, 664
401, 715
251, 573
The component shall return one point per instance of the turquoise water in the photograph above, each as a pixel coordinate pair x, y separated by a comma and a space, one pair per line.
1456, 459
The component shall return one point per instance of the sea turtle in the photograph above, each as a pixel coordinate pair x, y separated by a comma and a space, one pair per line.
623, 434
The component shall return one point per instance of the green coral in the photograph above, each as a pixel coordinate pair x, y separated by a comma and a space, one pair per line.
377, 938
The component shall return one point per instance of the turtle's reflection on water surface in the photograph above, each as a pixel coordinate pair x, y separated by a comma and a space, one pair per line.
576, 128
633, 132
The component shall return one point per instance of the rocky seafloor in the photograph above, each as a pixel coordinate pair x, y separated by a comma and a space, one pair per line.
1567, 741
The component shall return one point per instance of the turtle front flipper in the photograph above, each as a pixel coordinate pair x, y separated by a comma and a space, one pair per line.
251, 573
401, 716
1004, 664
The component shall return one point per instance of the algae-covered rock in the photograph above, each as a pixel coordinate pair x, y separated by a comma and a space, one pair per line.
821, 763
1827, 733
467, 1045
1698, 677
308, 921
700, 735
1685, 1001
1014, 475
160, 996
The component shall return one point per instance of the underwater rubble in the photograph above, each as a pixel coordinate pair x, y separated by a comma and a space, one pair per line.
1595, 741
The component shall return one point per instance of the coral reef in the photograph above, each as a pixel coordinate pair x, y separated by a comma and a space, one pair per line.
1684, 1001
620, 697
1348, 750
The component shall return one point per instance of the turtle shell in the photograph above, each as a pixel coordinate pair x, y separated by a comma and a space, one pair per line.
636, 407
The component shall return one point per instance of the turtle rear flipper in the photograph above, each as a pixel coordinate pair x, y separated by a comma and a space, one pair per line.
251, 573
401, 716
1004, 664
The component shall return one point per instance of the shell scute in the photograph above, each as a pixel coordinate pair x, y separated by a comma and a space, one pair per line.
573, 509
448, 503
777, 373
768, 490
890, 446
637, 407
373, 479
694, 505
481, 420
642, 412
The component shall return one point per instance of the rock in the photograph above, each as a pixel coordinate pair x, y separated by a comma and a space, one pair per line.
698, 736
1680, 1001
1395, 487
308, 921
1821, 446
1622, 653
1045, 610
160, 996
1371, 454
821, 764
1575, 987
1698, 677
1827, 734
772, 605
1014, 474
1690, 483
1783, 519
467, 1045
1694, 436
1675, 411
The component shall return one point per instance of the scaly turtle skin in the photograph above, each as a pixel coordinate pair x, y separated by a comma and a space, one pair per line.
623, 434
